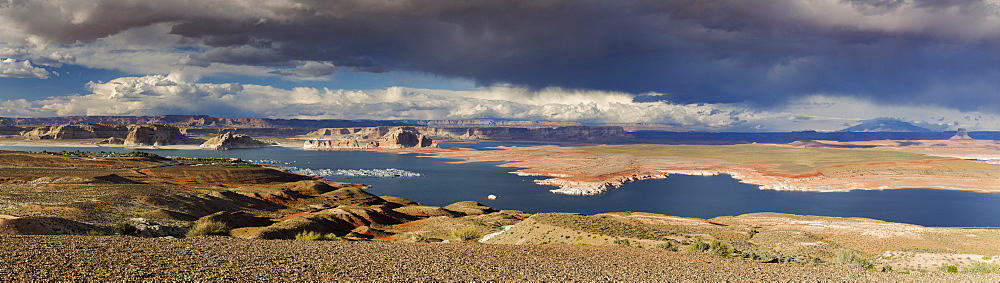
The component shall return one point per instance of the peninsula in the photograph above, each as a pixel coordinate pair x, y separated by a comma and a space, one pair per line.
800, 166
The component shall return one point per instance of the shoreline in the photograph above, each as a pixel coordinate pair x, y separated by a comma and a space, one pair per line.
574, 172
84, 144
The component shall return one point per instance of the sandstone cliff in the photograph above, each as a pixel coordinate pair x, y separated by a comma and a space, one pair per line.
155, 135
356, 132
399, 137
81, 131
255, 132
232, 141
8, 130
334, 144
133, 135
491, 133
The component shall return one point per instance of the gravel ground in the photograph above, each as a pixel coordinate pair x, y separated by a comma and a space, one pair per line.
122, 258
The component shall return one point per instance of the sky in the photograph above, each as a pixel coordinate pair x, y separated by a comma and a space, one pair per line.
714, 65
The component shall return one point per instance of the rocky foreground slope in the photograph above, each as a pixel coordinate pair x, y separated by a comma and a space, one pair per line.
121, 258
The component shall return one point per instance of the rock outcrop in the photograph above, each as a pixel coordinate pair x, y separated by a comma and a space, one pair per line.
470, 208
399, 137
155, 135
961, 134
232, 141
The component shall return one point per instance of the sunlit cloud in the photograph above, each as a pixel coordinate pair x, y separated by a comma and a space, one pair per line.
10, 68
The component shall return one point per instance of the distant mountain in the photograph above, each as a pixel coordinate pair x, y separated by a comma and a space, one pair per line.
884, 124
633, 127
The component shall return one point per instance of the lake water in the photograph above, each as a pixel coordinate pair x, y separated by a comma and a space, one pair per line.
443, 183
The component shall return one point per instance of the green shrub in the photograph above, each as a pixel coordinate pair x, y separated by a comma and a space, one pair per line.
697, 246
950, 269
848, 257
623, 242
208, 228
315, 236
983, 267
96, 233
124, 228
468, 233
762, 255
668, 245
719, 248
417, 238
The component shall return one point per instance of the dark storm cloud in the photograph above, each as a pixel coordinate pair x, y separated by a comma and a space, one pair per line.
876, 6
759, 51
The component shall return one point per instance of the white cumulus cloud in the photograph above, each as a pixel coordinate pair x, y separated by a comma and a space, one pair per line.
11, 68
181, 93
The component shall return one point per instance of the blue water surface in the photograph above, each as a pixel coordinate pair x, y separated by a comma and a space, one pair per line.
443, 183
